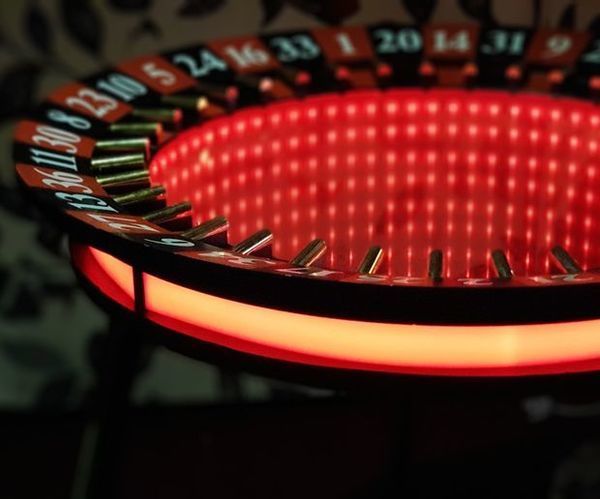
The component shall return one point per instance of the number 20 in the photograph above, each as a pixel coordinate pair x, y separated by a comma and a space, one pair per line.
404, 41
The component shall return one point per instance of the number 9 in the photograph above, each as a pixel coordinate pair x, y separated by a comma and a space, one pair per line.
558, 45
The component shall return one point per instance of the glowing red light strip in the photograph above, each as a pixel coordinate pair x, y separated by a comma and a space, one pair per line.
111, 275
423, 349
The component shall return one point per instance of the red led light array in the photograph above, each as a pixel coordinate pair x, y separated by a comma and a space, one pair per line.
465, 172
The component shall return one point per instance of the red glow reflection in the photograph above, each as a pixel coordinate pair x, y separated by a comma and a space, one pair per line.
461, 171
507, 350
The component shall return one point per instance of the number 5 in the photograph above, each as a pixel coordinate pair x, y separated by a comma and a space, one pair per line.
163, 76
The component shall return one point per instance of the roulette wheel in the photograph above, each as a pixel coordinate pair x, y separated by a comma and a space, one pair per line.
392, 200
